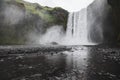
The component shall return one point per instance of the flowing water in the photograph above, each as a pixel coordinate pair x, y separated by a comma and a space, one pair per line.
77, 31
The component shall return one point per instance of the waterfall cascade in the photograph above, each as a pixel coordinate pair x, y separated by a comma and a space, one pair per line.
77, 31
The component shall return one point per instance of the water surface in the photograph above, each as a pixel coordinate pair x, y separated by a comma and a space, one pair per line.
75, 63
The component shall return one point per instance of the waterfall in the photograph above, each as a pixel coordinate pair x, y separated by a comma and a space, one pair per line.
77, 31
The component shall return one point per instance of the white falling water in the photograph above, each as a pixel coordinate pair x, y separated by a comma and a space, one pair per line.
77, 32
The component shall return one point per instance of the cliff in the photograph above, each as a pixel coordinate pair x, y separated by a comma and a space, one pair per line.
18, 19
115, 7
101, 22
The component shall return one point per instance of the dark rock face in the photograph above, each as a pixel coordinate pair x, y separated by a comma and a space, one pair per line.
19, 19
102, 28
115, 5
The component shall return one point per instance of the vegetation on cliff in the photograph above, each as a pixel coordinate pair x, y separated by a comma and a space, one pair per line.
18, 19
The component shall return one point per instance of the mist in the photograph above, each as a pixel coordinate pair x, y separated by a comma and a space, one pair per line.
13, 14
97, 19
54, 34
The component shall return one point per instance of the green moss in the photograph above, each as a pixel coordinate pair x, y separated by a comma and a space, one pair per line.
18, 0
33, 8
48, 8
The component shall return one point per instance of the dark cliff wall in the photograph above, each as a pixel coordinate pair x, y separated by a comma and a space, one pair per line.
102, 28
115, 6
18, 19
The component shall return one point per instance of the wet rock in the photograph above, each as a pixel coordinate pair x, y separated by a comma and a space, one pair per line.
30, 67
52, 53
1, 60
19, 57
113, 52
57, 78
23, 79
36, 75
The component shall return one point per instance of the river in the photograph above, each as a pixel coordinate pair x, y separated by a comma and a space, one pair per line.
59, 63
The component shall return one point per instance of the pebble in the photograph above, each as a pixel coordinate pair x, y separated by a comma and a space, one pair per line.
30, 67
1, 60
36, 75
